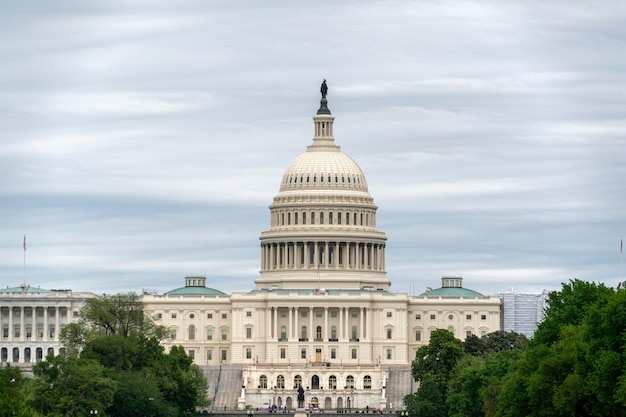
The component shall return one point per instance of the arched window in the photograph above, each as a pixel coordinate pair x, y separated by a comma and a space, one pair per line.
315, 382
350, 382
280, 382
283, 332
332, 382
303, 333
367, 382
263, 381
318, 332
192, 332
295, 218
297, 381
333, 332
354, 333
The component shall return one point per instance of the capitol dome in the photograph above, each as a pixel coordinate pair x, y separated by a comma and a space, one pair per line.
323, 222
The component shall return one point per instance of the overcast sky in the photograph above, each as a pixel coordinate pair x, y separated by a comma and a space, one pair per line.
143, 141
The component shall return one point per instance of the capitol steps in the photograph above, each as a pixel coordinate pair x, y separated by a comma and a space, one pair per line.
224, 385
399, 384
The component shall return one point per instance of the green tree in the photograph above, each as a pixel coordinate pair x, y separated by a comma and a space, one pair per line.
432, 368
12, 393
71, 386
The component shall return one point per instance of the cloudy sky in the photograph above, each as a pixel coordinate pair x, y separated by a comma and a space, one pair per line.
143, 141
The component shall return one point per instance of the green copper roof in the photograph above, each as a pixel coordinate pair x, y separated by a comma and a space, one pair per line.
452, 292
195, 291
20, 289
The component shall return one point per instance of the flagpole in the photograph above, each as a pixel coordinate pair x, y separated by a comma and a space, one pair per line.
24, 259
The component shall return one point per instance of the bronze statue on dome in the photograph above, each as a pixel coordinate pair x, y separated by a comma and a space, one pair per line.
324, 89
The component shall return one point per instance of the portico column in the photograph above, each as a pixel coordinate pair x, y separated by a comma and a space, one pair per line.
57, 322
290, 331
316, 255
22, 325
276, 322
33, 330
325, 324
326, 255
45, 323
310, 333
269, 322
362, 324
11, 328
306, 254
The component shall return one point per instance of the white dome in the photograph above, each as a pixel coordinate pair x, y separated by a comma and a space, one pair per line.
321, 170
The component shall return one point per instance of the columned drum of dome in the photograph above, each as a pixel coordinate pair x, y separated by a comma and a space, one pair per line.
323, 222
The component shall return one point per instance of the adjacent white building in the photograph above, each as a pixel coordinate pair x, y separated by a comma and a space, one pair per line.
31, 320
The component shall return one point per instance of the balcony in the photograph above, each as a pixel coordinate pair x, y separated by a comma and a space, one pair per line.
303, 339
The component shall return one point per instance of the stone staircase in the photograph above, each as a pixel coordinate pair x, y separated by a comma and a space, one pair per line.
224, 385
399, 384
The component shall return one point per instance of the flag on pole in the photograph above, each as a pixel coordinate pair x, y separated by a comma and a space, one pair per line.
24, 242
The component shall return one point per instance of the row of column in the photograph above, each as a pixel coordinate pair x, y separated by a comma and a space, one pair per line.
323, 255
49, 331
295, 322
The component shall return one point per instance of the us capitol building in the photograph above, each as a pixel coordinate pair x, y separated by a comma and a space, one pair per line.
321, 315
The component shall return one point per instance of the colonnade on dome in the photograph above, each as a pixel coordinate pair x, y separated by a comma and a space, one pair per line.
323, 255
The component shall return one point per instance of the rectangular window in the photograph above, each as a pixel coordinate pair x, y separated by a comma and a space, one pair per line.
333, 314
318, 314
159, 316
418, 317
389, 314
418, 335
353, 353
192, 353
248, 353
282, 353
354, 314
432, 317
224, 356
224, 315
389, 333
389, 354
303, 354
333, 353
283, 314
209, 334
209, 315
468, 333
303, 313
248, 313
483, 317
209, 354
248, 333
173, 333
174, 315
483, 333
224, 334
468, 317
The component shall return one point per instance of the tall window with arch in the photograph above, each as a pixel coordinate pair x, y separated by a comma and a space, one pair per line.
350, 382
332, 382
303, 333
283, 332
192, 332
280, 382
263, 381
